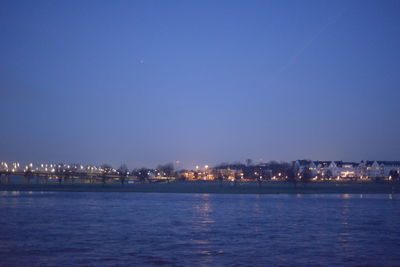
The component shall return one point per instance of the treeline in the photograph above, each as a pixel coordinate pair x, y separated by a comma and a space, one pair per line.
262, 171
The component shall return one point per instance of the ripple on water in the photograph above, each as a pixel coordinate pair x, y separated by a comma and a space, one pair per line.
198, 229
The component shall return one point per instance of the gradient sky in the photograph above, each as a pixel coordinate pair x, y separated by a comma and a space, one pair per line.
149, 82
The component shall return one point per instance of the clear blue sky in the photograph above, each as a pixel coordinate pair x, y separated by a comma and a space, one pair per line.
148, 82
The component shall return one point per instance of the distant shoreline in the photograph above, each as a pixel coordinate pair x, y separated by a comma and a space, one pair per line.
212, 187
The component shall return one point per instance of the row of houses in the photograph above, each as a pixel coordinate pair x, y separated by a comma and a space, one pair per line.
318, 170
351, 170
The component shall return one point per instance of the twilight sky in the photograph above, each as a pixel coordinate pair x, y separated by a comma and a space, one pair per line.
149, 82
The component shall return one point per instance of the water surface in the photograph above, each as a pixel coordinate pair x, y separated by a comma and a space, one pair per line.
198, 229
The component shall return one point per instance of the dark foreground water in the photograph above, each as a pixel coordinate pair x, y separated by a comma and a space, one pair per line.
116, 229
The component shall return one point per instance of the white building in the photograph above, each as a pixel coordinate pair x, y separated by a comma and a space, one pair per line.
380, 169
347, 169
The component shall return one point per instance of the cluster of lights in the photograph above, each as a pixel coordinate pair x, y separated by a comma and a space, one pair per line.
15, 167
204, 172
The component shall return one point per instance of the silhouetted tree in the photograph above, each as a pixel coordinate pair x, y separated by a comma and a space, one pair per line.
278, 167
305, 176
291, 177
142, 174
181, 177
223, 165
123, 172
395, 175
167, 169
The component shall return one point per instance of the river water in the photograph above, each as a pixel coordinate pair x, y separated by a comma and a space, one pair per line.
117, 229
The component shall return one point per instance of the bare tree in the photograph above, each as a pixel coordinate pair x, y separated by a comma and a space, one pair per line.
123, 172
167, 169
278, 167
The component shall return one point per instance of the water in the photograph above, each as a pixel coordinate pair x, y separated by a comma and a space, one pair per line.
115, 229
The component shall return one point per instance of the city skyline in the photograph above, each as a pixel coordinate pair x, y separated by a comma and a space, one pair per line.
144, 83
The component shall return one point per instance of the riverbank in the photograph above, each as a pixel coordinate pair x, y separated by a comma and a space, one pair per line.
217, 188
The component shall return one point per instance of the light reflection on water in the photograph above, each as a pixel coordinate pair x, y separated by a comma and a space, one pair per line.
198, 229
202, 221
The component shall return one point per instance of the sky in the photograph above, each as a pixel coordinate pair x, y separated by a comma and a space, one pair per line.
202, 82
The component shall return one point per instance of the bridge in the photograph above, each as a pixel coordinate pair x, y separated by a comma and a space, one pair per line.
7, 177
